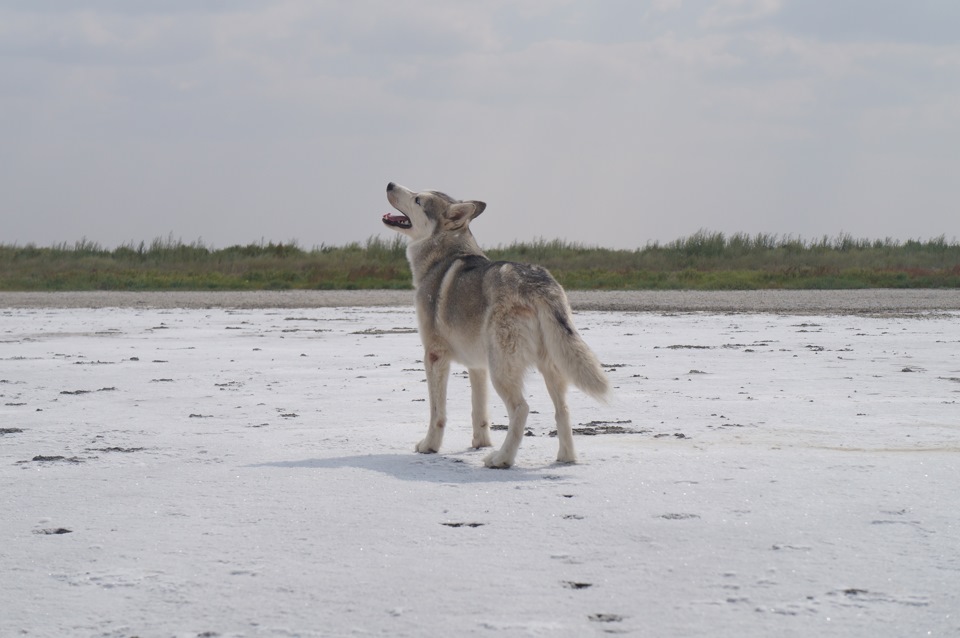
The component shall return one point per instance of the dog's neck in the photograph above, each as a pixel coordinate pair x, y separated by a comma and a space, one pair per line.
425, 254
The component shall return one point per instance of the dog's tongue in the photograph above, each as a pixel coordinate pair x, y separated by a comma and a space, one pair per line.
397, 221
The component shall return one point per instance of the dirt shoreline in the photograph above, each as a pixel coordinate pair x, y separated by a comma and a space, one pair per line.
878, 301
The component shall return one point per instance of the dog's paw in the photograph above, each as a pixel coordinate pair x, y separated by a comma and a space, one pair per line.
426, 447
481, 441
566, 457
498, 460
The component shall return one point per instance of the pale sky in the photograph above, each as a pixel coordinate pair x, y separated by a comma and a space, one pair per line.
609, 123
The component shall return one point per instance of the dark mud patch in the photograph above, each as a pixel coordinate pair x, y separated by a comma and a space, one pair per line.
40, 458
80, 392
121, 450
4, 431
385, 331
613, 367
605, 618
594, 428
463, 524
53, 531
602, 429
749, 346
500, 427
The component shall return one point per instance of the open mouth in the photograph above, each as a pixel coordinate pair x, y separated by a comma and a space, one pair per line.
397, 221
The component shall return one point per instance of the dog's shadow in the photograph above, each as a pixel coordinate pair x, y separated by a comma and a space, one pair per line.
434, 468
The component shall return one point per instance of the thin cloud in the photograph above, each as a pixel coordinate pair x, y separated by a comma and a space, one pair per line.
614, 123
732, 13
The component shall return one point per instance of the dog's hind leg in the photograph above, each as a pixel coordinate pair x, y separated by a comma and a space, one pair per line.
438, 370
481, 422
557, 387
509, 385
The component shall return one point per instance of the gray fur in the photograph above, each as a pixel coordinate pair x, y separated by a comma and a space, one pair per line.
497, 317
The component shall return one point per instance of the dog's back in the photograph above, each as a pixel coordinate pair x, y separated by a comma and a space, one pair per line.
515, 311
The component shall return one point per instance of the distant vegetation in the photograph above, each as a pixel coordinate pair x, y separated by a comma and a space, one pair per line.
703, 261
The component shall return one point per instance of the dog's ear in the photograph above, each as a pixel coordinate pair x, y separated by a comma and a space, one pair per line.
478, 207
461, 213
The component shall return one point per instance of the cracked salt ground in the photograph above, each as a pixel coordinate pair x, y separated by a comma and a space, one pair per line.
812, 491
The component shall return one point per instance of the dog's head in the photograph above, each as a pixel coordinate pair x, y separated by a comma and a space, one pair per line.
423, 214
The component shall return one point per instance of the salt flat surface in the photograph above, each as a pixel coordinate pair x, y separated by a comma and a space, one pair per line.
249, 472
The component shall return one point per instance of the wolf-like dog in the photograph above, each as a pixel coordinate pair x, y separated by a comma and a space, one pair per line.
492, 316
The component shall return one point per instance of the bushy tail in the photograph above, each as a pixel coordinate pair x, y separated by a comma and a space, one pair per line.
568, 351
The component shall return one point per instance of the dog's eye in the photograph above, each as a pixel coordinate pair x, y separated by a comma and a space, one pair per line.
416, 201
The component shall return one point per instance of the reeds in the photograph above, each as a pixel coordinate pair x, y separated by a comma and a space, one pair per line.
704, 261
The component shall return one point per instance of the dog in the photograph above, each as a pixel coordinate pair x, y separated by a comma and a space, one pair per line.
498, 318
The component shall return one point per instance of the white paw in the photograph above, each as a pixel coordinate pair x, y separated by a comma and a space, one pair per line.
482, 441
498, 460
427, 447
566, 456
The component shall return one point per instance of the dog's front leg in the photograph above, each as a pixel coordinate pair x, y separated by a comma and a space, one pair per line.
438, 370
481, 422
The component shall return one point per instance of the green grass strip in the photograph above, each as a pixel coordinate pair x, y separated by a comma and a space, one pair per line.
703, 261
